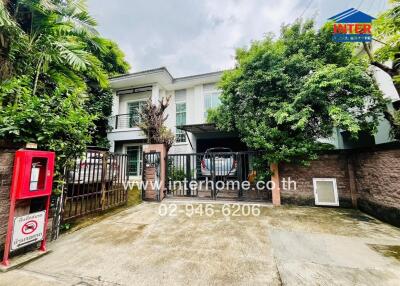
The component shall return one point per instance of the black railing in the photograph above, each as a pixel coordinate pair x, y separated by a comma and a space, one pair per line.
122, 121
207, 171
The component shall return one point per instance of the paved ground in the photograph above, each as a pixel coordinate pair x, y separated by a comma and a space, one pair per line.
287, 245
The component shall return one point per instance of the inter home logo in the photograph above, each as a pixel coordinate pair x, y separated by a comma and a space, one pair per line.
352, 26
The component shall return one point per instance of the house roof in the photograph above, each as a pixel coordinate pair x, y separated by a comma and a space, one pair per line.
197, 76
163, 77
352, 16
144, 72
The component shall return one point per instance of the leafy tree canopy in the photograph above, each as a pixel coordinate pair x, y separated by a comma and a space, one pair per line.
54, 69
287, 93
386, 54
387, 30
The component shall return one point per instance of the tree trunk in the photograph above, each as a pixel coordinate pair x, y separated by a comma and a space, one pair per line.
276, 191
37, 76
392, 72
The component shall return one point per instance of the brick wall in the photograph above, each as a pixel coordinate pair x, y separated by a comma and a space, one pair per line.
377, 174
376, 180
326, 166
6, 168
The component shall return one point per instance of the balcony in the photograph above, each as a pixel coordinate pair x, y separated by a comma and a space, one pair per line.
124, 121
124, 127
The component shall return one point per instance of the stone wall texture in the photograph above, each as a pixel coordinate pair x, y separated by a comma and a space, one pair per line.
376, 173
326, 166
6, 169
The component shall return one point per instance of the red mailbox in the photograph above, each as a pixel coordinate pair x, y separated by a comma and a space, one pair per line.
32, 178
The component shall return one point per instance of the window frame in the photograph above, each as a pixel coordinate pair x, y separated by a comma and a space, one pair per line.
210, 93
140, 102
335, 191
178, 131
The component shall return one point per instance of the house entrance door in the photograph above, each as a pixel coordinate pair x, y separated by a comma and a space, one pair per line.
134, 161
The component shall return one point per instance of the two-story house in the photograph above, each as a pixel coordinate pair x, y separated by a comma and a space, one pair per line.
190, 98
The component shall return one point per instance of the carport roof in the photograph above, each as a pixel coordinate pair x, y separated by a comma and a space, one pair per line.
199, 128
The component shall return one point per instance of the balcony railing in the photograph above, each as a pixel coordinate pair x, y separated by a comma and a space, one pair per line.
123, 121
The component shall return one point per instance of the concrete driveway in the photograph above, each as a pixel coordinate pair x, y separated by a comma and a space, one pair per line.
286, 245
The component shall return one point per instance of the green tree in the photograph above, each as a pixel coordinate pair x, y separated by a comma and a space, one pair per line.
49, 37
54, 70
387, 30
99, 101
387, 55
285, 94
56, 122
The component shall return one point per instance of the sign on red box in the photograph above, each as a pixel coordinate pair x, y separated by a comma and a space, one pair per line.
27, 229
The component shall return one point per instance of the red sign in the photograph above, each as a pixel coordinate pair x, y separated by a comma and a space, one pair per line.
29, 227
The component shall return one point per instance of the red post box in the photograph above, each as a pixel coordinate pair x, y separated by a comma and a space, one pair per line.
32, 178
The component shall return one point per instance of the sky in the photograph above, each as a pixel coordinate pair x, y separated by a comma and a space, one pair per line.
199, 36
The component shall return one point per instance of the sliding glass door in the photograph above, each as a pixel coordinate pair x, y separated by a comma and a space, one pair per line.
134, 109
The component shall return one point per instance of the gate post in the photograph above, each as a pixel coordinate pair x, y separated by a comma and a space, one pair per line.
155, 148
276, 191
352, 180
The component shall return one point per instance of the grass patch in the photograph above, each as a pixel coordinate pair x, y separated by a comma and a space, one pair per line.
387, 250
134, 198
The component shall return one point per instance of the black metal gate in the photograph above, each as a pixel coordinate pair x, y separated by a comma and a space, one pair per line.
218, 175
95, 181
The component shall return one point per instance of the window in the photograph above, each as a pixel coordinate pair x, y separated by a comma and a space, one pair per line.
134, 160
180, 120
211, 98
134, 109
325, 192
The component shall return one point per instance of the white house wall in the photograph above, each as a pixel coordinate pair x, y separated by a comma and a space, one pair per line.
126, 135
155, 93
383, 80
115, 104
184, 147
383, 134
198, 105
385, 84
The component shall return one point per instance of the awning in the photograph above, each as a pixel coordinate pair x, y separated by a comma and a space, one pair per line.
199, 128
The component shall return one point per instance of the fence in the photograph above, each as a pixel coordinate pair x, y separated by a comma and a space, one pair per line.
229, 175
94, 182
